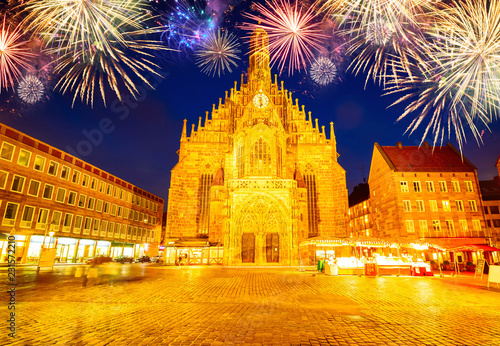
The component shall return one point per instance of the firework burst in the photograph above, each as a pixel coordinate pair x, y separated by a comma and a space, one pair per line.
294, 34
218, 53
13, 56
323, 71
30, 89
379, 32
459, 83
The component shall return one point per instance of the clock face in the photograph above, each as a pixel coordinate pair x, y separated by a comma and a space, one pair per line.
260, 100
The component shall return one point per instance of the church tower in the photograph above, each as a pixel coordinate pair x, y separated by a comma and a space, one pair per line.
257, 177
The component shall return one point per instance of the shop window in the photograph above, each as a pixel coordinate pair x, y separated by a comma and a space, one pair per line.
76, 177
72, 198
39, 163
7, 151
43, 216
53, 166
10, 214
48, 191
3, 179
17, 184
33, 188
24, 158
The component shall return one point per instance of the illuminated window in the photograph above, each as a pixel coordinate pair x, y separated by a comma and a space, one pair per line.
10, 214
463, 225
117, 192
106, 207
468, 186
68, 219
420, 206
27, 216
404, 186
406, 205
433, 205
261, 158
312, 206
24, 158
451, 228
417, 187
472, 205
204, 191
33, 188
95, 228
17, 183
43, 215
455, 185
86, 180
94, 184
109, 190
118, 228
443, 187
72, 198
423, 226
98, 205
60, 195
122, 195
436, 225
48, 191
476, 226
77, 227
113, 209
7, 151
3, 179
86, 225
430, 186
102, 187
76, 177
65, 172
460, 205
446, 205
111, 229
104, 228
56, 220
82, 200
410, 228
125, 213
53, 166
91, 203
39, 163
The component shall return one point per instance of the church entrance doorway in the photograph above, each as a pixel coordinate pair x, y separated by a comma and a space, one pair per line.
248, 248
272, 248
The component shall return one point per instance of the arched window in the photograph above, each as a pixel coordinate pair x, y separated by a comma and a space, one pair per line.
261, 158
204, 194
312, 206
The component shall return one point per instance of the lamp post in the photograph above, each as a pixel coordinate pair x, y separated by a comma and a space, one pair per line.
51, 233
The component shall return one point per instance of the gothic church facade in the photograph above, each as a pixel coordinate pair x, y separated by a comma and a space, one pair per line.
257, 176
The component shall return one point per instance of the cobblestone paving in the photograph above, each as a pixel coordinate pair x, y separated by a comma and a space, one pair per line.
280, 306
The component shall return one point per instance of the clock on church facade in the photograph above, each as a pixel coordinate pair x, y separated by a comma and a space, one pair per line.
257, 177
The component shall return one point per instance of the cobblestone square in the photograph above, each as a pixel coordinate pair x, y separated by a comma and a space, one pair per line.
155, 305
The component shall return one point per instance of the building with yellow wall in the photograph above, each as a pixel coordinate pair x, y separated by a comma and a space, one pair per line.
90, 212
258, 175
426, 193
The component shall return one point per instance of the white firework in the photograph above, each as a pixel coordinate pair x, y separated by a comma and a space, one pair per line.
379, 32
30, 89
323, 71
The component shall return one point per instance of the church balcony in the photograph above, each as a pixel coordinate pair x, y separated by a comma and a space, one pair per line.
270, 184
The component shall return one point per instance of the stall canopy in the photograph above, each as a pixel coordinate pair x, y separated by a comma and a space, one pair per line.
474, 247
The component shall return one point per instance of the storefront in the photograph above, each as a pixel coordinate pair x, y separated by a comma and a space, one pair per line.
66, 250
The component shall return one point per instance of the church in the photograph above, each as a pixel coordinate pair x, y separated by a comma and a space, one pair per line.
257, 177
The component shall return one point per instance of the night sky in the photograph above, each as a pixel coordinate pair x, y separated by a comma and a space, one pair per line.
141, 148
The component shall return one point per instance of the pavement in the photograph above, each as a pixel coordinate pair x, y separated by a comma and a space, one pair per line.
148, 304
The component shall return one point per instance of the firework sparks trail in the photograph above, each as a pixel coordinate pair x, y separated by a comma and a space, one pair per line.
217, 53
30, 89
13, 56
458, 86
294, 35
323, 71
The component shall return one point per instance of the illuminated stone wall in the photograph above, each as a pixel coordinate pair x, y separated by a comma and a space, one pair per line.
259, 152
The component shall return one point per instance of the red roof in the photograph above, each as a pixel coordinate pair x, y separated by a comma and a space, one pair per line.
427, 159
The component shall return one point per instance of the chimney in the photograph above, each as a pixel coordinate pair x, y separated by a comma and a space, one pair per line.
399, 145
426, 145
